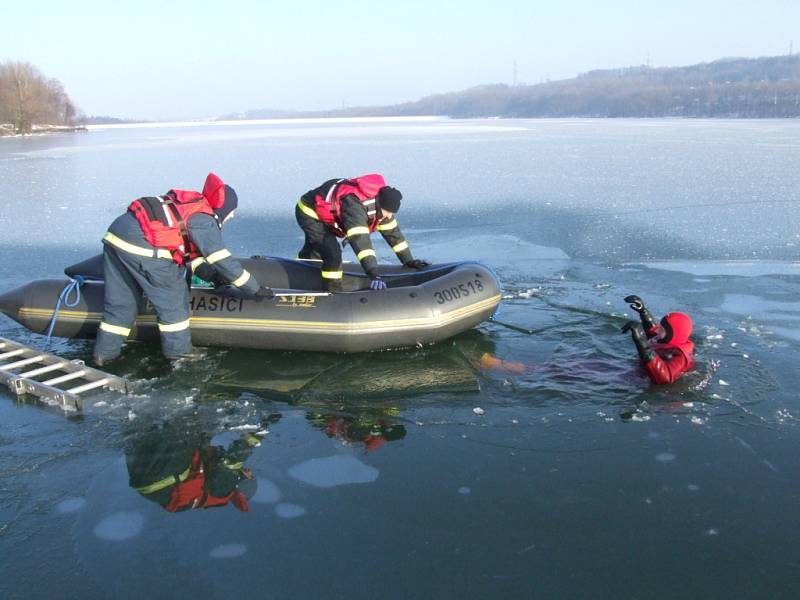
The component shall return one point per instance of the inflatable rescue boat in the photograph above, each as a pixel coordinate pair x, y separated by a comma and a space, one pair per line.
419, 307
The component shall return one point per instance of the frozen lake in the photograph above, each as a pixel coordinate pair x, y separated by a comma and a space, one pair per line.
374, 475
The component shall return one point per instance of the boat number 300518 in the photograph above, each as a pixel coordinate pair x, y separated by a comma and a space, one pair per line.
462, 290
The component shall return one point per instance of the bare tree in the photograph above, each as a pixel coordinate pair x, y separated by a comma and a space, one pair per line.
28, 98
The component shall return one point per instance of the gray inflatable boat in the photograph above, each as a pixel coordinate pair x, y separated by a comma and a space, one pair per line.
419, 307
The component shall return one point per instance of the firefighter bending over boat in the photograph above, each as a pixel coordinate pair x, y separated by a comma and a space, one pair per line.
352, 209
672, 353
146, 251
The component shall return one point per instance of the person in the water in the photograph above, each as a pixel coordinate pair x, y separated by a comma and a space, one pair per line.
670, 354
351, 209
146, 250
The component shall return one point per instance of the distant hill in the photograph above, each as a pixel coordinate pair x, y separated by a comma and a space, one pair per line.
106, 120
729, 87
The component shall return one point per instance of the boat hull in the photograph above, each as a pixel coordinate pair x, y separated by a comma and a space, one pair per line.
420, 307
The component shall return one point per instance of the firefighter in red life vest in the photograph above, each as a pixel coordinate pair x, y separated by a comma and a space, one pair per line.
672, 354
146, 251
352, 209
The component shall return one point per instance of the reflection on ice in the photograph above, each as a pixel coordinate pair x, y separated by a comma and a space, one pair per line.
120, 526
341, 469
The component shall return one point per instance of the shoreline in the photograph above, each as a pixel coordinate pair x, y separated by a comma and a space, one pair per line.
39, 130
276, 121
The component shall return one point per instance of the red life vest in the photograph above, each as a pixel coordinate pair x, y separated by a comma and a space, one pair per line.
163, 219
327, 199
191, 493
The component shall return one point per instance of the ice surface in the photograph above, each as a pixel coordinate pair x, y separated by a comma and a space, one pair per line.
332, 471
728, 268
70, 504
267, 493
287, 510
120, 526
228, 551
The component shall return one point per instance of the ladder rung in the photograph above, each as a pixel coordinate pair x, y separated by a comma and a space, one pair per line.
17, 352
22, 363
88, 386
63, 378
43, 370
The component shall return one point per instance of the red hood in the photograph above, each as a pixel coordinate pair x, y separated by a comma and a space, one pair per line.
678, 328
370, 184
214, 191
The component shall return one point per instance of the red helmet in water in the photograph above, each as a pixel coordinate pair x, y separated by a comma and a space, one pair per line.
677, 328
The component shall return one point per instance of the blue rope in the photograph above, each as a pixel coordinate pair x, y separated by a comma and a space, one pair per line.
74, 286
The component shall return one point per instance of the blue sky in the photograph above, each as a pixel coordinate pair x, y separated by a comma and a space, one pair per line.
179, 59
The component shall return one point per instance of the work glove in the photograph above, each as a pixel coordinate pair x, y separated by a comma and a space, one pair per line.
264, 293
417, 263
646, 353
377, 284
637, 304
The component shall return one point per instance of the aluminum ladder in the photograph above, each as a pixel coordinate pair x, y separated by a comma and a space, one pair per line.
49, 374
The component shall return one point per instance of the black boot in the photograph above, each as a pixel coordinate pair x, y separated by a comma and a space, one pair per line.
191, 354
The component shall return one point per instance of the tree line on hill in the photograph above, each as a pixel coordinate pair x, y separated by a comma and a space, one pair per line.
28, 98
731, 88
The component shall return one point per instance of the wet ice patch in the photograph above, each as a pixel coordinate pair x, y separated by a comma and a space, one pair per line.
120, 526
738, 268
509, 250
665, 457
228, 551
71, 504
286, 510
756, 306
267, 492
341, 469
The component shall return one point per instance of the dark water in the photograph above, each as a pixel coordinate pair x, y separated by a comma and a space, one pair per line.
373, 475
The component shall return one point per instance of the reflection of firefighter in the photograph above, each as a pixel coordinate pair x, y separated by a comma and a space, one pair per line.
181, 472
373, 432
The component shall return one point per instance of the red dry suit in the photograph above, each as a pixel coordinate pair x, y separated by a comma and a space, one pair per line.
675, 352
163, 219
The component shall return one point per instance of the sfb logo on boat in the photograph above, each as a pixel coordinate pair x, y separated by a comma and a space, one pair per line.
297, 301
